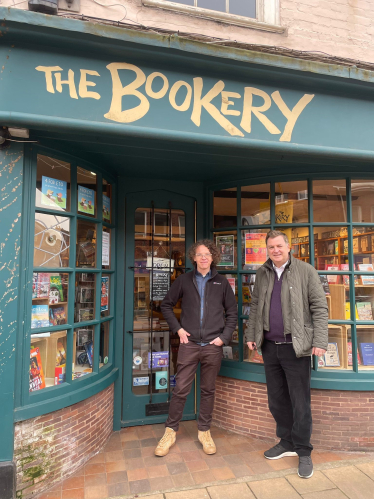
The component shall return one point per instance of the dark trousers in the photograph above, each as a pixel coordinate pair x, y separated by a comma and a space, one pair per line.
189, 357
288, 384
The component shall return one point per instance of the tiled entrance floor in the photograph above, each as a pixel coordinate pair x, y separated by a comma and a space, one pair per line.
127, 464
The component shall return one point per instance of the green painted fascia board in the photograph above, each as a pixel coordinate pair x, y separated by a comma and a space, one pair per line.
59, 402
43, 22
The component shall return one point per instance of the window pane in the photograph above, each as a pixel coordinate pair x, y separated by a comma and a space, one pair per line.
52, 184
226, 244
231, 351
107, 201
364, 295
254, 252
49, 299
362, 192
363, 247
329, 201
84, 297
83, 351
365, 343
86, 244
105, 295
104, 342
291, 202
51, 241
299, 240
248, 282
336, 356
86, 192
47, 360
255, 204
336, 288
245, 8
225, 208
219, 5
331, 248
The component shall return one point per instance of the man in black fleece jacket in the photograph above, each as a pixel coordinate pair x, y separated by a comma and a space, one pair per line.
208, 319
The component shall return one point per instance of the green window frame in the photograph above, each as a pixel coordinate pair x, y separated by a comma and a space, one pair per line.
353, 379
35, 403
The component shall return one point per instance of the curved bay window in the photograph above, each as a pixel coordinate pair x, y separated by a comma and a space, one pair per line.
70, 315
330, 224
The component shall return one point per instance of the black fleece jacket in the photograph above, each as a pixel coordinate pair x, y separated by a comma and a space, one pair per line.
220, 309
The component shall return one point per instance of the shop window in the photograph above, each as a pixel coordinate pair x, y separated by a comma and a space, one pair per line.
255, 204
329, 201
331, 248
336, 356
224, 208
365, 347
291, 202
362, 201
68, 285
299, 242
227, 247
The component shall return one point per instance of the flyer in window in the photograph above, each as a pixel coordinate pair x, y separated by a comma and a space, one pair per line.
225, 245
86, 200
332, 355
106, 208
104, 303
159, 359
255, 248
53, 192
105, 252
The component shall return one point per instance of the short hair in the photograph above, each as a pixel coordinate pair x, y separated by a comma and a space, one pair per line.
276, 233
213, 250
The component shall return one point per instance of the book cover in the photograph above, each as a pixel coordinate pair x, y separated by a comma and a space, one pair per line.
364, 311
349, 350
53, 192
345, 266
83, 336
56, 293
367, 280
57, 316
348, 311
36, 374
355, 245
86, 200
104, 300
60, 375
86, 314
89, 351
106, 208
256, 357
332, 279
87, 295
345, 246
332, 355
42, 285
246, 294
34, 285
367, 353
39, 316
60, 354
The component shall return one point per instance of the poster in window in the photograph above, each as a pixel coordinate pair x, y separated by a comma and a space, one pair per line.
255, 248
106, 208
225, 245
53, 192
160, 283
86, 200
105, 253
104, 303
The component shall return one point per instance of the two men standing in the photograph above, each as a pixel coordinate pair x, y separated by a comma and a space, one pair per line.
288, 321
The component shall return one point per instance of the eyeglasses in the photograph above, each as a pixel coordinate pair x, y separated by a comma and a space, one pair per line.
203, 255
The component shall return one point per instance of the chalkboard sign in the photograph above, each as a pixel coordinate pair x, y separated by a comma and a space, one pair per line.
160, 283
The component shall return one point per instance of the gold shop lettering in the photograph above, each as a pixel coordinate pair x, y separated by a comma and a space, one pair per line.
196, 98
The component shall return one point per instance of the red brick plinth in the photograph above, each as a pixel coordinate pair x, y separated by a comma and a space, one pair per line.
52, 447
342, 420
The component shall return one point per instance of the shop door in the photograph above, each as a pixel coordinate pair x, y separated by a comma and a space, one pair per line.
160, 227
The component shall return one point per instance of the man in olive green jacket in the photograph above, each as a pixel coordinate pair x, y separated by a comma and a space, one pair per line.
288, 321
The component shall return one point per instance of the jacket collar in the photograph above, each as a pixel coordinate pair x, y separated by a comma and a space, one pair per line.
269, 264
213, 272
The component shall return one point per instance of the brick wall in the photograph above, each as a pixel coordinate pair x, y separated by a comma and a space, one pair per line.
341, 420
51, 447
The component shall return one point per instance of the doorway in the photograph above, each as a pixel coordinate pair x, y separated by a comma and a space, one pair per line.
160, 227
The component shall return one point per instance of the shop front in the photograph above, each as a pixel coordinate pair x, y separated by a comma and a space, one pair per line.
139, 145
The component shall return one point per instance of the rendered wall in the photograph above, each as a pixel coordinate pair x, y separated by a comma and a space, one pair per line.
52, 447
342, 420
343, 28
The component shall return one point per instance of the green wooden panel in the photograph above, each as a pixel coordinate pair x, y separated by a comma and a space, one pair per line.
11, 297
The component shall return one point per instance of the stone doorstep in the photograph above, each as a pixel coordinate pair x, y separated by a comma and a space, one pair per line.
255, 478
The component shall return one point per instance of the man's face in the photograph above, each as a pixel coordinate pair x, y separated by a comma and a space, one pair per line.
278, 250
203, 259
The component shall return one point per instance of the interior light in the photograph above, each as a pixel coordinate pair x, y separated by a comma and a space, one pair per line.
93, 173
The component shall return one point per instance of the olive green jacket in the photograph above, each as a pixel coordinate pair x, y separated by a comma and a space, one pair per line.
304, 306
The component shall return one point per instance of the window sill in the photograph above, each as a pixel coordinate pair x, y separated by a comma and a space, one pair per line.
216, 16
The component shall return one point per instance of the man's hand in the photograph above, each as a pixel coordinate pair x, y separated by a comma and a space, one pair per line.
183, 335
252, 345
217, 341
318, 351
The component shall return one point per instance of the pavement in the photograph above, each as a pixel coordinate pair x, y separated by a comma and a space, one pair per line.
127, 468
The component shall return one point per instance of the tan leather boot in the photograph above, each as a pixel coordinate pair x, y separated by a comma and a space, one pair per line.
166, 442
206, 440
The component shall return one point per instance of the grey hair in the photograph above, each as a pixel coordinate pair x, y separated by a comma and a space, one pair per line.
276, 233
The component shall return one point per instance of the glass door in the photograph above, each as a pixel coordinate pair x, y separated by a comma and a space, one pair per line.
159, 229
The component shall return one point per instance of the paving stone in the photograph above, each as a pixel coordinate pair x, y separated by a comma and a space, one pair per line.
276, 488
325, 494
353, 482
367, 468
118, 489
140, 487
188, 494
232, 491
316, 483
